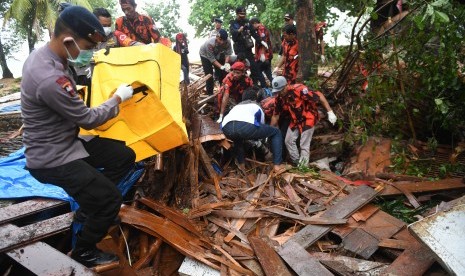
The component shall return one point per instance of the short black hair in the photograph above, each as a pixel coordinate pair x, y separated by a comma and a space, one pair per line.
254, 20
62, 28
250, 94
290, 29
101, 12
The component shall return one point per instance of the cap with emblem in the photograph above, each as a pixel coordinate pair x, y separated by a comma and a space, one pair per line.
238, 66
278, 84
84, 23
223, 34
288, 16
240, 10
218, 20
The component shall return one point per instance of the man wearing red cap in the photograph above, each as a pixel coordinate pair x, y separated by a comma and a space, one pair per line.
52, 113
182, 49
138, 27
233, 86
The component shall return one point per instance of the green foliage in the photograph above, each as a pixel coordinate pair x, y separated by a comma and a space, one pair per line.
304, 169
430, 49
398, 209
270, 12
166, 15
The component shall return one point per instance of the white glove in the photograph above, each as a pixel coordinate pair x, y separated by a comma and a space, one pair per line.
220, 119
323, 59
262, 58
264, 44
227, 67
332, 117
274, 74
296, 56
124, 91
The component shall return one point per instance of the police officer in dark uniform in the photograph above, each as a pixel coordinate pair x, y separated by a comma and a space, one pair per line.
52, 113
242, 34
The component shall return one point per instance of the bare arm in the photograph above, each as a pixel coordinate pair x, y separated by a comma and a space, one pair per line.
274, 120
323, 101
224, 103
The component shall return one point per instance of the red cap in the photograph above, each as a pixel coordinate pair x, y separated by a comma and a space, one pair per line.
238, 66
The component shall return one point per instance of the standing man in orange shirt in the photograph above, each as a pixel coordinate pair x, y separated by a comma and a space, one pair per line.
289, 60
138, 27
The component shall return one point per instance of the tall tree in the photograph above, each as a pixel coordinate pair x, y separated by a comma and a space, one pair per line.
165, 15
36, 15
307, 39
6, 73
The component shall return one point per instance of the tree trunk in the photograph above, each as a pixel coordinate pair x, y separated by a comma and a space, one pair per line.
305, 18
6, 71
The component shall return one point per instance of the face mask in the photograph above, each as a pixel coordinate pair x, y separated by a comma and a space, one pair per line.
107, 30
82, 59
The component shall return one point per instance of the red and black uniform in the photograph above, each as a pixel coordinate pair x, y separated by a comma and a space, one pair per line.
264, 35
264, 66
291, 63
234, 88
301, 104
141, 29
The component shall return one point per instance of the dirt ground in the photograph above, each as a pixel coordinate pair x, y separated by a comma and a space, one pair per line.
8, 86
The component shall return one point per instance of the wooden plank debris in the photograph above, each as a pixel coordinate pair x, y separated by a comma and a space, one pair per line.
426, 186
26, 208
12, 237
42, 259
301, 261
271, 263
414, 261
344, 208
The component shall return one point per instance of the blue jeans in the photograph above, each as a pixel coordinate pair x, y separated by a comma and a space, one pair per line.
241, 131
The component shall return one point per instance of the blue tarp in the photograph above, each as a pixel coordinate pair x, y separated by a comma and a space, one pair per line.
17, 182
10, 108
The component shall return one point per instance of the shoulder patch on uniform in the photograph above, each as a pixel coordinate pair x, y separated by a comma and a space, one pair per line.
66, 84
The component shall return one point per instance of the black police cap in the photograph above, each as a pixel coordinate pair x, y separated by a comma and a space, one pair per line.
240, 10
218, 20
83, 23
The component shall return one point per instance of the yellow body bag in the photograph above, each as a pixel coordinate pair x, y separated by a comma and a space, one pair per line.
151, 121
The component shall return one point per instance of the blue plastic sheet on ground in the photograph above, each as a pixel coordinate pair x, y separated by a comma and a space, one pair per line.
17, 182
10, 108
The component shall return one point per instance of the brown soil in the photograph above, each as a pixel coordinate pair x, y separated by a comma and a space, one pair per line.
9, 86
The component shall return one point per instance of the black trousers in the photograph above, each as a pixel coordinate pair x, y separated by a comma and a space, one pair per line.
92, 183
208, 69
255, 72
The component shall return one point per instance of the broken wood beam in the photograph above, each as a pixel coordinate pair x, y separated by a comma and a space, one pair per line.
271, 263
12, 236
343, 209
305, 219
42, 259
206, 161
301, 261
426, 186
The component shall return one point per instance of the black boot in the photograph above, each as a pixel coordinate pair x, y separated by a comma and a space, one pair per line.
91, 257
